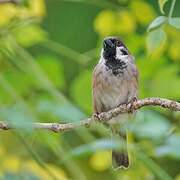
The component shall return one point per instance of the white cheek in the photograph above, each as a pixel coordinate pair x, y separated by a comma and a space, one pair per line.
119, 54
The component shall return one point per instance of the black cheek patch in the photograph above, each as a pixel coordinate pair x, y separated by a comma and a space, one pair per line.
124, 52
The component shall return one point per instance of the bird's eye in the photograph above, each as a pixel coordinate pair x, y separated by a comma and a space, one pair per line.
118, 43
124, 52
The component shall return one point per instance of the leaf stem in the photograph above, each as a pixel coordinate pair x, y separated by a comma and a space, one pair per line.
171, 8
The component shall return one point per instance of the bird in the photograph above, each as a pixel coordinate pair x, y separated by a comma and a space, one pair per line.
115, 82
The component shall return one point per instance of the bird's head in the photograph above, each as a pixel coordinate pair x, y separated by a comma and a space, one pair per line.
113, 48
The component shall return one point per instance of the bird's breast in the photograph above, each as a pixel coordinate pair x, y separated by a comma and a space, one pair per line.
110, 90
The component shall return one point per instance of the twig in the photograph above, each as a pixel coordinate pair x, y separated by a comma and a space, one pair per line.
9, 1
103, 117
171, 9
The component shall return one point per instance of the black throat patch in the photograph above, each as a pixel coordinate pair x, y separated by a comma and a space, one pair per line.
116, 66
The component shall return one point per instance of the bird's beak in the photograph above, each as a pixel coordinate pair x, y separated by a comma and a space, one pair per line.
108, 44
109, 48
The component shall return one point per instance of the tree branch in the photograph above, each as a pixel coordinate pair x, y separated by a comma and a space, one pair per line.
9, 1
103, 117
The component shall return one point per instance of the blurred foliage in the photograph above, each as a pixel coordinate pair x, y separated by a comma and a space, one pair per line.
48, 50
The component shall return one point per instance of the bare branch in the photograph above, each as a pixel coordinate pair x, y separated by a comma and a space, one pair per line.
9, 1
103, 117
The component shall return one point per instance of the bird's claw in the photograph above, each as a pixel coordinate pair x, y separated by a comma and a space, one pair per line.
95, 117
132, 104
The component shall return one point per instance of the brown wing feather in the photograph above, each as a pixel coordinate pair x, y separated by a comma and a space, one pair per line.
96, 82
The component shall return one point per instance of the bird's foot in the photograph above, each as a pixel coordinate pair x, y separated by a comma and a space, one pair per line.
132, 105
95, 117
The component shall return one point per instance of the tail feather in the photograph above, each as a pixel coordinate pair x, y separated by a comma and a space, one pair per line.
120, 158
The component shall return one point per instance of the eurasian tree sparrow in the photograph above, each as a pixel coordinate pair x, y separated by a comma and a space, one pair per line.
115, 82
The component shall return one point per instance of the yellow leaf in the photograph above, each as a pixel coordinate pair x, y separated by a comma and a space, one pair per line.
172, 32
59, 173
37, 8
173, 50
125, 23
177, 177
2, 155
105, 23
2, 151
11, 164
33, 167
24, 12
101, 160
7, 12
143, 12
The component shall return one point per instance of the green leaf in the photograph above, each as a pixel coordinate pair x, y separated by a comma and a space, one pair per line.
170, 148
135, 44
157, 170
159, 85
157, 22
149, 124
18, 116
20, 81
30, 35
88, 149
65, 112
53, 68
161, 4
155, 40
175, 22
149, 68
81, 91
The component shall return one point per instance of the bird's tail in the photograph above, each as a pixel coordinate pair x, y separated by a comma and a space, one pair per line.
120, 158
